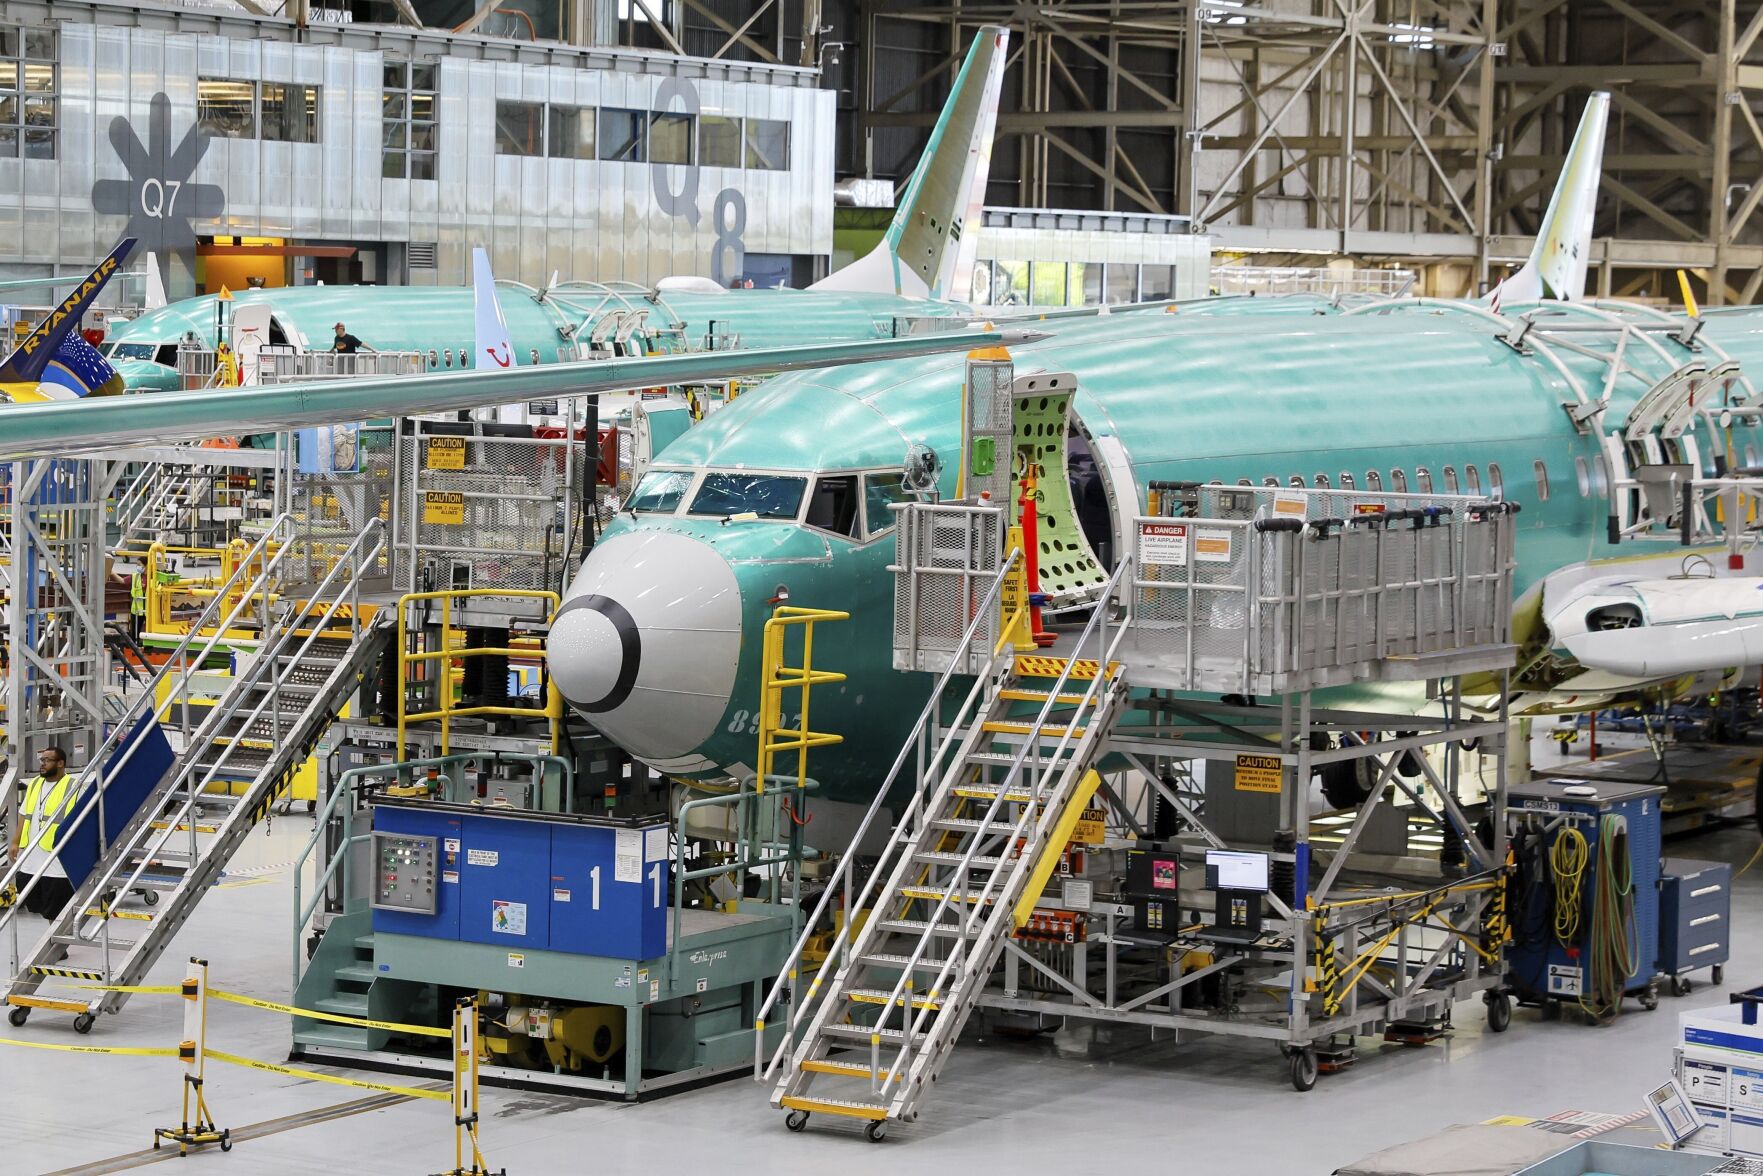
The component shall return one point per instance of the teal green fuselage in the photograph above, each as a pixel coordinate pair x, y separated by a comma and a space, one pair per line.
1188, 396
439, 319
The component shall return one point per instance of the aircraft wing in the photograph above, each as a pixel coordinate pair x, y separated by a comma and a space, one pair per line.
89, 426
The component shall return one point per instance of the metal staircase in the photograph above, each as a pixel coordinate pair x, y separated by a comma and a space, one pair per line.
314, 650
999, 793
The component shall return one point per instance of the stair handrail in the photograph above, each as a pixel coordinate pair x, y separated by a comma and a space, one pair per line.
843, 938
177, 662
972, 905
188, 760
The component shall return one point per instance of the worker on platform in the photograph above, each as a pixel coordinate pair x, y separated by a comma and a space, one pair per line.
346, 343
48, 800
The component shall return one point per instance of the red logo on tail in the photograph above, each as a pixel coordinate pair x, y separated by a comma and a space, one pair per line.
503, 360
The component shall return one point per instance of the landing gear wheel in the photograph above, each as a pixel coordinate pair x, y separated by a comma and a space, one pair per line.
1650, 997
1719, 974
1499, 1012
1303, 1070
16, 1016
83, 1023
1347, 783
1681, 986
796, 1120
877, 1130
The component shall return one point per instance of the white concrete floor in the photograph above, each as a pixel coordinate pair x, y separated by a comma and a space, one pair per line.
1079, 1101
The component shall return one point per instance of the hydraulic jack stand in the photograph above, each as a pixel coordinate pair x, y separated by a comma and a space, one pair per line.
193, 1052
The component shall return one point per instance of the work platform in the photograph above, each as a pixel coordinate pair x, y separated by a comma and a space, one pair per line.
1072, 798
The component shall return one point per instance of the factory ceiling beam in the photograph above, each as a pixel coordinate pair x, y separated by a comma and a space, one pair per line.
736, 35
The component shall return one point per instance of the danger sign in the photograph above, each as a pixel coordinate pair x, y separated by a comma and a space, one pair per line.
1163, 543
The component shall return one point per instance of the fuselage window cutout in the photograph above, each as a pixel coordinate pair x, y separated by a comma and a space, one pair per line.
1322, 481
1423, 480
1346, 480
1472, 479
1297, 481
1373, 480
1270, 480
1398, 481
1542, 473
1583, 472
1497, 481
1450, 479
1244, 482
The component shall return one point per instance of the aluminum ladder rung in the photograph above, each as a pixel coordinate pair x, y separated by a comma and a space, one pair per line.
1013, 794
75, 941
835, 1106
880, 996
950, 858
1020, 694
938, 893
843, 1069
1006, 758
62, 972
888, 959
1007, 727
963, 824
862, 1033
921, 927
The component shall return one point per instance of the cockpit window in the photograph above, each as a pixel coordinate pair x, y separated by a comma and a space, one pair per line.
770, 496
833, 505
879, 490
660, 491
162, 353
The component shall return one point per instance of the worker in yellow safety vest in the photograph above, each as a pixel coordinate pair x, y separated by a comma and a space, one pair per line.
48, 799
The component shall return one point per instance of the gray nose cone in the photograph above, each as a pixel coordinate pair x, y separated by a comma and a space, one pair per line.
647, 644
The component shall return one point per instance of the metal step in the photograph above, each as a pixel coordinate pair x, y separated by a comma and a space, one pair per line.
880, 996
861, 1033
356, 973
920, 927
885, 959
347, 1004
116, 944
1006, 758
335, 1036
950, 858
835, 1106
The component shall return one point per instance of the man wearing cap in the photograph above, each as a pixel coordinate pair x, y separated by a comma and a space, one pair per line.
346, 343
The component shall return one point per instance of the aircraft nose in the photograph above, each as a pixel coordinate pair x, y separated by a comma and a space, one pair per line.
647, 643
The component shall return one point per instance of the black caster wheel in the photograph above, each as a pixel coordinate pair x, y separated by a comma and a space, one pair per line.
1650, 998
83, 1023
1499, 1012
796, 1120
1681, 986
226, 1141
1719, 974
151, 898
1303, 1069
877, 1130
17, 1016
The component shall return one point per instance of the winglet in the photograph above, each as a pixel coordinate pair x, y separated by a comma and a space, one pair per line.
1557, 264
928, 251
154, 298
494, 349
28, 360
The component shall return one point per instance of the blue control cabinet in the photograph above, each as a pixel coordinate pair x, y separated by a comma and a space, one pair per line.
1537, 965
538, 882
1695, 918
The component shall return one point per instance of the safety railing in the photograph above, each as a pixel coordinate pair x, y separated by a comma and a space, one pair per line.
281, 365
275, 667
945, 555
445, 657
343, 793
981, 915
1261, 590
926, 750
776, 678
189, 650
163, 588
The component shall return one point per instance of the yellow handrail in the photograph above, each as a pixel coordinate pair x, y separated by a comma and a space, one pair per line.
447, 656
776, 678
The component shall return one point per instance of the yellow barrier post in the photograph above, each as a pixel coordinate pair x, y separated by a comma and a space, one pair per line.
193, 1052
465, 1089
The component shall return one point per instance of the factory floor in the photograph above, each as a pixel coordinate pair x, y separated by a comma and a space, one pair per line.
1081, 1100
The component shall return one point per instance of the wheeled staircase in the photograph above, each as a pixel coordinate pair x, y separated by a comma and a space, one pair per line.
967, 870
230, 770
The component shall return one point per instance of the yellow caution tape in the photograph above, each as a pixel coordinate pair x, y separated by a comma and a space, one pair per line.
139, 989
139, 1051
443, 1095
340, 1018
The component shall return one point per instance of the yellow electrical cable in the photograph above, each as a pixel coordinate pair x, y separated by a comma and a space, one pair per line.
1567, 862
1748, 864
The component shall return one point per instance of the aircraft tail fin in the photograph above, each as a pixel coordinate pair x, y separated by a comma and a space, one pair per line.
1556, 268
494, 349
928, 251
154, 296
53, 353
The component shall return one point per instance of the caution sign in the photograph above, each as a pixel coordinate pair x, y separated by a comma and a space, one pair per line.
443, 507
1163, 543
1368, 508
445, 453
1290, 508
1090, 828
1212, 545
1259, 773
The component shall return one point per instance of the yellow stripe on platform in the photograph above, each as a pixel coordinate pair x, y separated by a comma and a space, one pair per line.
824, 1106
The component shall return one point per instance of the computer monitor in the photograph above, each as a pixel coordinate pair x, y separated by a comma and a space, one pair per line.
1152, 873
1233, 870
